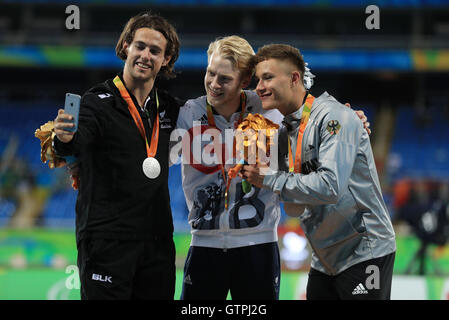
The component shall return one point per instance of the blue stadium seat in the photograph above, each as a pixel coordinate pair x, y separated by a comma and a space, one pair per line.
60, 210
7, 209
423, 148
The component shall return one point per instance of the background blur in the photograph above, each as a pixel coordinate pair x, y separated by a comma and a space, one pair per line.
397, 74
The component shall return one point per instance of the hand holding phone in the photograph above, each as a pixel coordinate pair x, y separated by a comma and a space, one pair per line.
66, 123
72, 107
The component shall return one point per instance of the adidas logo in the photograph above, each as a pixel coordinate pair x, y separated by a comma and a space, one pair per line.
203, 119
360, 289
187, 279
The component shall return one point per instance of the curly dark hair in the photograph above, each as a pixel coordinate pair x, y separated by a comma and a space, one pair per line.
158, 23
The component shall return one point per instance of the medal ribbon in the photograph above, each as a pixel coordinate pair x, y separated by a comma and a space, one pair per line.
151, 149
211, 122
296, 166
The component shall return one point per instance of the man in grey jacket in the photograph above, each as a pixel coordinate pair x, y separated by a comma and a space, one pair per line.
329, 180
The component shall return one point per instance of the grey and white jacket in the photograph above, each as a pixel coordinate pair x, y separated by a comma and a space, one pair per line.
345, 218
251, 218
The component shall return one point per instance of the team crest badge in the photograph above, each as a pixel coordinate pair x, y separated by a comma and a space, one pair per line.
333, 127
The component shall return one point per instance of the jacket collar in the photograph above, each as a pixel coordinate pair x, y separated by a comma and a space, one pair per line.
151, 96
292, 120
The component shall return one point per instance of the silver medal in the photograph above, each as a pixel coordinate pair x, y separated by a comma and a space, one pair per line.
151, 167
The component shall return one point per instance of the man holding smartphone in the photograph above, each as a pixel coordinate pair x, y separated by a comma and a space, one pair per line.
124, 227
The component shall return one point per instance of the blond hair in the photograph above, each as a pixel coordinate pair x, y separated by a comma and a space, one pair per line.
236, 49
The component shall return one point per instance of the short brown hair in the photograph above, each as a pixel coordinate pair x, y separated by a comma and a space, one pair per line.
236, 49
155, 22
282, 52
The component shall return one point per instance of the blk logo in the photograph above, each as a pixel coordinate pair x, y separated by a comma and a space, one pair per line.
99, 277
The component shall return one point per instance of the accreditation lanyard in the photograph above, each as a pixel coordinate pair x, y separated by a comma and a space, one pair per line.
151, 149
211, 122
296, 166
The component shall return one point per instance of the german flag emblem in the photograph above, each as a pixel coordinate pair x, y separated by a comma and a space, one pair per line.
333, 127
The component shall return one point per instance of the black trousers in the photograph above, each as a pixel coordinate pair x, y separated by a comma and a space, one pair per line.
123, 270
251, 272
368, 280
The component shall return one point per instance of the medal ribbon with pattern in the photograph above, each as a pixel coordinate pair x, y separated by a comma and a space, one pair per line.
296, 166
151, 149
211, 122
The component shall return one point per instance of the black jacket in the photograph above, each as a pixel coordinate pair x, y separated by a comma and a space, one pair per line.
116, 200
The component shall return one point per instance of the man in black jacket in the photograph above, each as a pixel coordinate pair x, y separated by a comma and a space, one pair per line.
124, 227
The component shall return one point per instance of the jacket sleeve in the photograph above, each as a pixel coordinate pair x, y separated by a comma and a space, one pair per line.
89, 128
337, 153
